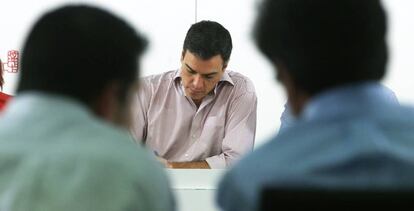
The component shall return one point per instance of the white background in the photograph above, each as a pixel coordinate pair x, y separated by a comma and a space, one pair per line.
165, 23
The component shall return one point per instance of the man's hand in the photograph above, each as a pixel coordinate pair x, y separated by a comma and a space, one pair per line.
182, 165
164, 162
189, 165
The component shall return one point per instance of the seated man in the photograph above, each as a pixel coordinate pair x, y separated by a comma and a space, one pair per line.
202, 115
64, 140
330, 57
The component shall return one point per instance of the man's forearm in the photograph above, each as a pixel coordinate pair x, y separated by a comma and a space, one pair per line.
189, 165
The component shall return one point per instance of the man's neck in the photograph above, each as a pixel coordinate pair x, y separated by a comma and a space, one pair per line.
298, 103
198, 102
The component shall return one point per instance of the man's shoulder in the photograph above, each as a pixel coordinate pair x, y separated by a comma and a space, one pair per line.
157, 84
241, 82
105, 167
402, 112
160, 82
359, 133
101, 146
309, 144
156, 78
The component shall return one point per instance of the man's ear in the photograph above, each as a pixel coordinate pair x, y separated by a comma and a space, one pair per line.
183, 54
297, 98
225, 66
282, 75
106, 104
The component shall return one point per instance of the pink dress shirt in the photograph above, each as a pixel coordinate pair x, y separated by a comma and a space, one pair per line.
220, 131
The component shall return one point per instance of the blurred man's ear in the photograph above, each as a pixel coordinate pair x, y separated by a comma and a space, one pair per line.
105, 104
297, 98
109, 107
282, 75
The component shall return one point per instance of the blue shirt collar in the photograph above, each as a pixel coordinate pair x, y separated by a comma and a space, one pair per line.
349, 99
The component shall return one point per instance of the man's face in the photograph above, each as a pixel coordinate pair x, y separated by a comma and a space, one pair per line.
199, 77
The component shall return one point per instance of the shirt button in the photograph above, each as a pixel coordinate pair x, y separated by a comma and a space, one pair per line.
194, 136
186, 155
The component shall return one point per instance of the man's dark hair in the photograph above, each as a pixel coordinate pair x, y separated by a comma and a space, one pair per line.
324, 43
77, 51
206, 39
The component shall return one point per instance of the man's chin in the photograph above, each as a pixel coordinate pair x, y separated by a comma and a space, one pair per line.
195, 96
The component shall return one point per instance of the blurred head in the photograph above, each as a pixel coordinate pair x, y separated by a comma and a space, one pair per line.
84, 53
321, 44
206, 52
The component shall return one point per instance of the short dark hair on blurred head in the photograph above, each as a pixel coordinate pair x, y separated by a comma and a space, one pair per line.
206, 39
77, 51
324, 43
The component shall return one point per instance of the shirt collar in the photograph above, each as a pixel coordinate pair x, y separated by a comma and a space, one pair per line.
224, 78
177, 75
349, 99
177, 81
46, 102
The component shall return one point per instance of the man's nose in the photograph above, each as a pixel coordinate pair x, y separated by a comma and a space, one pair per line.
198, 82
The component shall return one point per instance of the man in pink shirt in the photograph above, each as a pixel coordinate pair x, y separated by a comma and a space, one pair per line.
202, 115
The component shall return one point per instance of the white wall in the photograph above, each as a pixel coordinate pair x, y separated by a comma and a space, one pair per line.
165, 23
401, 42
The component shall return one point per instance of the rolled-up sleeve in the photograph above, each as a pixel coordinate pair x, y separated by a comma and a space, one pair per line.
240, 131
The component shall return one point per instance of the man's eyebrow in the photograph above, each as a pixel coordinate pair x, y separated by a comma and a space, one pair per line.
190, 67
207, 74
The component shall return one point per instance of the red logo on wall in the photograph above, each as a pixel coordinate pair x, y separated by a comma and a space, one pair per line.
12, 64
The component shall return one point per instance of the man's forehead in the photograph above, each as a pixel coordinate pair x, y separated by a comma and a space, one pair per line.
207, 71
200, 57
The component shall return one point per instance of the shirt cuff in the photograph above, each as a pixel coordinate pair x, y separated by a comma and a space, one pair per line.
217, 162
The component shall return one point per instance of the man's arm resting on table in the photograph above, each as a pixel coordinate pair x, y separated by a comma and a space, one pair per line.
189, 165
183, 165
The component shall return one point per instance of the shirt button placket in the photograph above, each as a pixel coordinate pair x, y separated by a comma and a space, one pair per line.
195, 128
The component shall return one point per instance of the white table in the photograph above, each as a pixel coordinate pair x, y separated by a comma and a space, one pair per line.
195, 189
